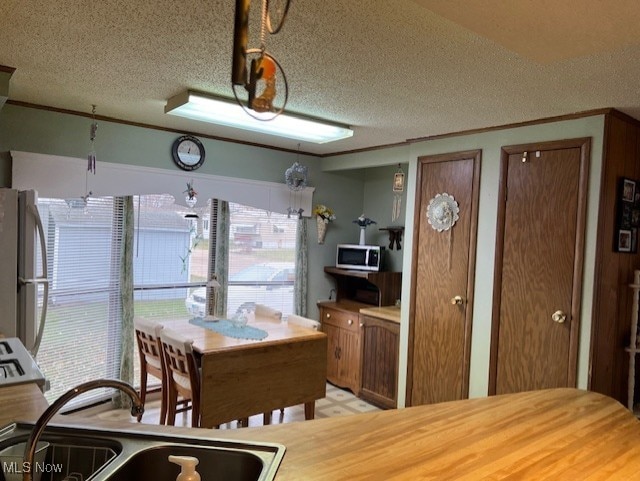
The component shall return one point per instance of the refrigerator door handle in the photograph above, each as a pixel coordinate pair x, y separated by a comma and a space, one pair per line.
40, 280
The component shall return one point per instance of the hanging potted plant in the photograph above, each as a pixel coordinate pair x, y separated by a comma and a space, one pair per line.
324, 215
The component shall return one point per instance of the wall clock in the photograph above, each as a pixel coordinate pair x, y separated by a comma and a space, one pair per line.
188, 152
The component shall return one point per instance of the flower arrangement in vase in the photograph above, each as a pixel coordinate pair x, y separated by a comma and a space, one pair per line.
363, 222
324, 215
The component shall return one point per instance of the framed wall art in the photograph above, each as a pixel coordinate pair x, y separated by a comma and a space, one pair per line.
627, 216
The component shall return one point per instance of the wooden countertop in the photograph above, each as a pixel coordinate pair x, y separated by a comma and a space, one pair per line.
565, 434
22, 402
559, 434
388, 313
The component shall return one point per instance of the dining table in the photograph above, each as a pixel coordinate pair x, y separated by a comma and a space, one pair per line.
243, 377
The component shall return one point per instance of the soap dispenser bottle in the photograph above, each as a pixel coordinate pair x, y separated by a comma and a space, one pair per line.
188, 467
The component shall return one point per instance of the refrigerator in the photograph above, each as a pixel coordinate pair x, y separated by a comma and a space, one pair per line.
24, 287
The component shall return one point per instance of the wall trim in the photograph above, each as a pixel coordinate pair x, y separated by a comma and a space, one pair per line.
104, 118
558, 118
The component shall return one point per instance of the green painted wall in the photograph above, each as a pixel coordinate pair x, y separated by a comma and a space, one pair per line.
490, 143
378, 204
5, 77
45, 132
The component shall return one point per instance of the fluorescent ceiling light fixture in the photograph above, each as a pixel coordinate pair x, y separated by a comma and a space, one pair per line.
216, 110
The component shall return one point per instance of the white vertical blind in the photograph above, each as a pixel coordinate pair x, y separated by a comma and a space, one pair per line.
81, 339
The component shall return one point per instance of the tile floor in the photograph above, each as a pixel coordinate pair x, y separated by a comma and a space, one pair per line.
337, 402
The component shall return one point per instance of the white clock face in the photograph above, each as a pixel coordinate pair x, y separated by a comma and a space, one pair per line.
189, 152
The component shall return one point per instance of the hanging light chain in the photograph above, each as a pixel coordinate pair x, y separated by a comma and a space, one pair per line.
263, 26
91, 158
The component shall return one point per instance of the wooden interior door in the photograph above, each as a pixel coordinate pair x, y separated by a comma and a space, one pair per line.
538, 275
440, 331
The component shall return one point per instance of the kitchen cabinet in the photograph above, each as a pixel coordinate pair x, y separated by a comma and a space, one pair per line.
380, 349
343, 346
341, 321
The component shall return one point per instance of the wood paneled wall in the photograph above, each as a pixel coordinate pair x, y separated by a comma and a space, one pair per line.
612, 298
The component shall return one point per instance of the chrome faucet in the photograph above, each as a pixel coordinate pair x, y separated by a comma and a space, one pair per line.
137, 408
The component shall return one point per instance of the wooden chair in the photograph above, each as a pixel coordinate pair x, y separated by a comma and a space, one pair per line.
266, 313
151, 360
183, 376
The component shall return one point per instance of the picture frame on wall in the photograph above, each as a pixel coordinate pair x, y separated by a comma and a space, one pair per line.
628, 190
627, 216
398, 182
624, 241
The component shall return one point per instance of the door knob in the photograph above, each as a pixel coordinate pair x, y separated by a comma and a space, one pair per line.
559, 317
457, 301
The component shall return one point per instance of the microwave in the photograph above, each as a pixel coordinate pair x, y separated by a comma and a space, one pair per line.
359, 257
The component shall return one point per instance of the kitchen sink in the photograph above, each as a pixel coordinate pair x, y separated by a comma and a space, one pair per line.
70, 455
96, 454
152, 464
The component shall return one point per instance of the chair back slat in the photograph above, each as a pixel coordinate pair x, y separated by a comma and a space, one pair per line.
151, 361
183, 376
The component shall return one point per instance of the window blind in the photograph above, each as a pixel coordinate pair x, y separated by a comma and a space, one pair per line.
171, 256
261, 260
81, 338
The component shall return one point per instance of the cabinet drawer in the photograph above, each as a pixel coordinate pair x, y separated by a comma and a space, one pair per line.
342, 319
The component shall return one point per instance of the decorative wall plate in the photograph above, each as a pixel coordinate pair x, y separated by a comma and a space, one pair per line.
442, 212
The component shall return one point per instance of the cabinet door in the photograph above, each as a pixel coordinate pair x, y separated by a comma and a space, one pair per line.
349, 360
333, 345
380, 346
343, 347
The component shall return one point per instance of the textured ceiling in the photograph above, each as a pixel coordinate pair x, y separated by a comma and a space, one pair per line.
393, 70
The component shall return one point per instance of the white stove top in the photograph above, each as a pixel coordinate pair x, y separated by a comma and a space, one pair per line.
16, 364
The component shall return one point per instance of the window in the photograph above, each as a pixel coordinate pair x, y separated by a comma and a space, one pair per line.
261, 260
170, 258
81, 339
